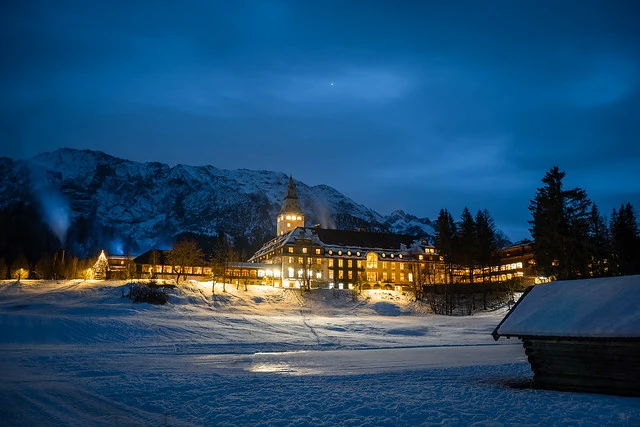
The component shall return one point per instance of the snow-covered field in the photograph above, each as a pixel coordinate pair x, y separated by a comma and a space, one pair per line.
78, 353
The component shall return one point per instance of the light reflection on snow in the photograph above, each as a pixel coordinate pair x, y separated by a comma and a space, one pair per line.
282, 368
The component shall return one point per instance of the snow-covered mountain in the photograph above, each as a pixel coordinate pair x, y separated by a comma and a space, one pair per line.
97, 200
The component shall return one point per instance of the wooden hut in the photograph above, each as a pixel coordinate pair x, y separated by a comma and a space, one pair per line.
580, 335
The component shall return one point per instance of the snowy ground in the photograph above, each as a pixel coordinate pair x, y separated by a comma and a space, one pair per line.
77, 353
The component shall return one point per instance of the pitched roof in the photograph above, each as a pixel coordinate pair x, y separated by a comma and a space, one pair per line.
364, 239
291, 204
147, 257
591, 308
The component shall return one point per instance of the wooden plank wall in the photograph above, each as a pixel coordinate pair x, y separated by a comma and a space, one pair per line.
588, 365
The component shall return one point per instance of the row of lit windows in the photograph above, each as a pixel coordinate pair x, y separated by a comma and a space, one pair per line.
505, 267
290, 218
187, 270
291, 273
357, 253
269, 273
310, 260
304, 250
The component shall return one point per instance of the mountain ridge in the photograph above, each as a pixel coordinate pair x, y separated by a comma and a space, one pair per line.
92, 200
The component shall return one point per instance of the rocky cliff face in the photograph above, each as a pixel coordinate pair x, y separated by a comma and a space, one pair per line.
91, 201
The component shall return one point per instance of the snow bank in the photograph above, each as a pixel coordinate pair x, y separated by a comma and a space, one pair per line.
78, 353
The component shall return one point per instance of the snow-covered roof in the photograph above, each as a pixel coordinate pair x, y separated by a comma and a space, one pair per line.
590, 308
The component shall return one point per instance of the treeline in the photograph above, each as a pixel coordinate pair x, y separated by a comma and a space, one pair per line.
472, 242
573, 239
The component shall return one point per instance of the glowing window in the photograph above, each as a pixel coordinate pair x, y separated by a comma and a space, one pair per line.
401, 266
384, 265
384, 276
349, 253
340, 263
339, 252
393, 276
392, 255
299, 218
359, 263
357, 253
330, 274
340, 274
317, 251
330, 252
300, 260
304, 250
288, 216
420, 257
372, 260
330, 263
350, 263
288, 224
318, 275
290, 250
384, 255
350, 274
290, 271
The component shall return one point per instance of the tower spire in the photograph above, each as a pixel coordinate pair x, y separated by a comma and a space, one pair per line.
291, 215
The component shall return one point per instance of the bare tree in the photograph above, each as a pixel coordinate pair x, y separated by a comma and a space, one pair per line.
419, 278
155, 260
224, 255
184, 254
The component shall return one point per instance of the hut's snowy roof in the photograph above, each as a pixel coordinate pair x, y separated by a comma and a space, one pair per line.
591, 308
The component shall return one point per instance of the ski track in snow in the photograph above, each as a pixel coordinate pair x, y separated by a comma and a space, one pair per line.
77, 353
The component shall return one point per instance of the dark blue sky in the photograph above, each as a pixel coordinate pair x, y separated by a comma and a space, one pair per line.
414, 105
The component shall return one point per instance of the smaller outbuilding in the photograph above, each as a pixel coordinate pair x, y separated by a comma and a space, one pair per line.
580, 335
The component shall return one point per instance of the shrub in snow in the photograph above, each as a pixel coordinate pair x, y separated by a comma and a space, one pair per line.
151, 293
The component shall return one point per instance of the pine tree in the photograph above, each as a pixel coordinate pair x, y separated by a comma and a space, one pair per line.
560, 228
487, 241
625, 240
466, 242
577, 209
599, 246
445, 240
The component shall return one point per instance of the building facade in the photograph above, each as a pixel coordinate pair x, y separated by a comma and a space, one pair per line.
315, 257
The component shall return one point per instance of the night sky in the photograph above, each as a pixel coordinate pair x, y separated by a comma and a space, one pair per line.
416, 105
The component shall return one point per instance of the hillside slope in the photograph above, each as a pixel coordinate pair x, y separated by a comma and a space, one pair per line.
91, 200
